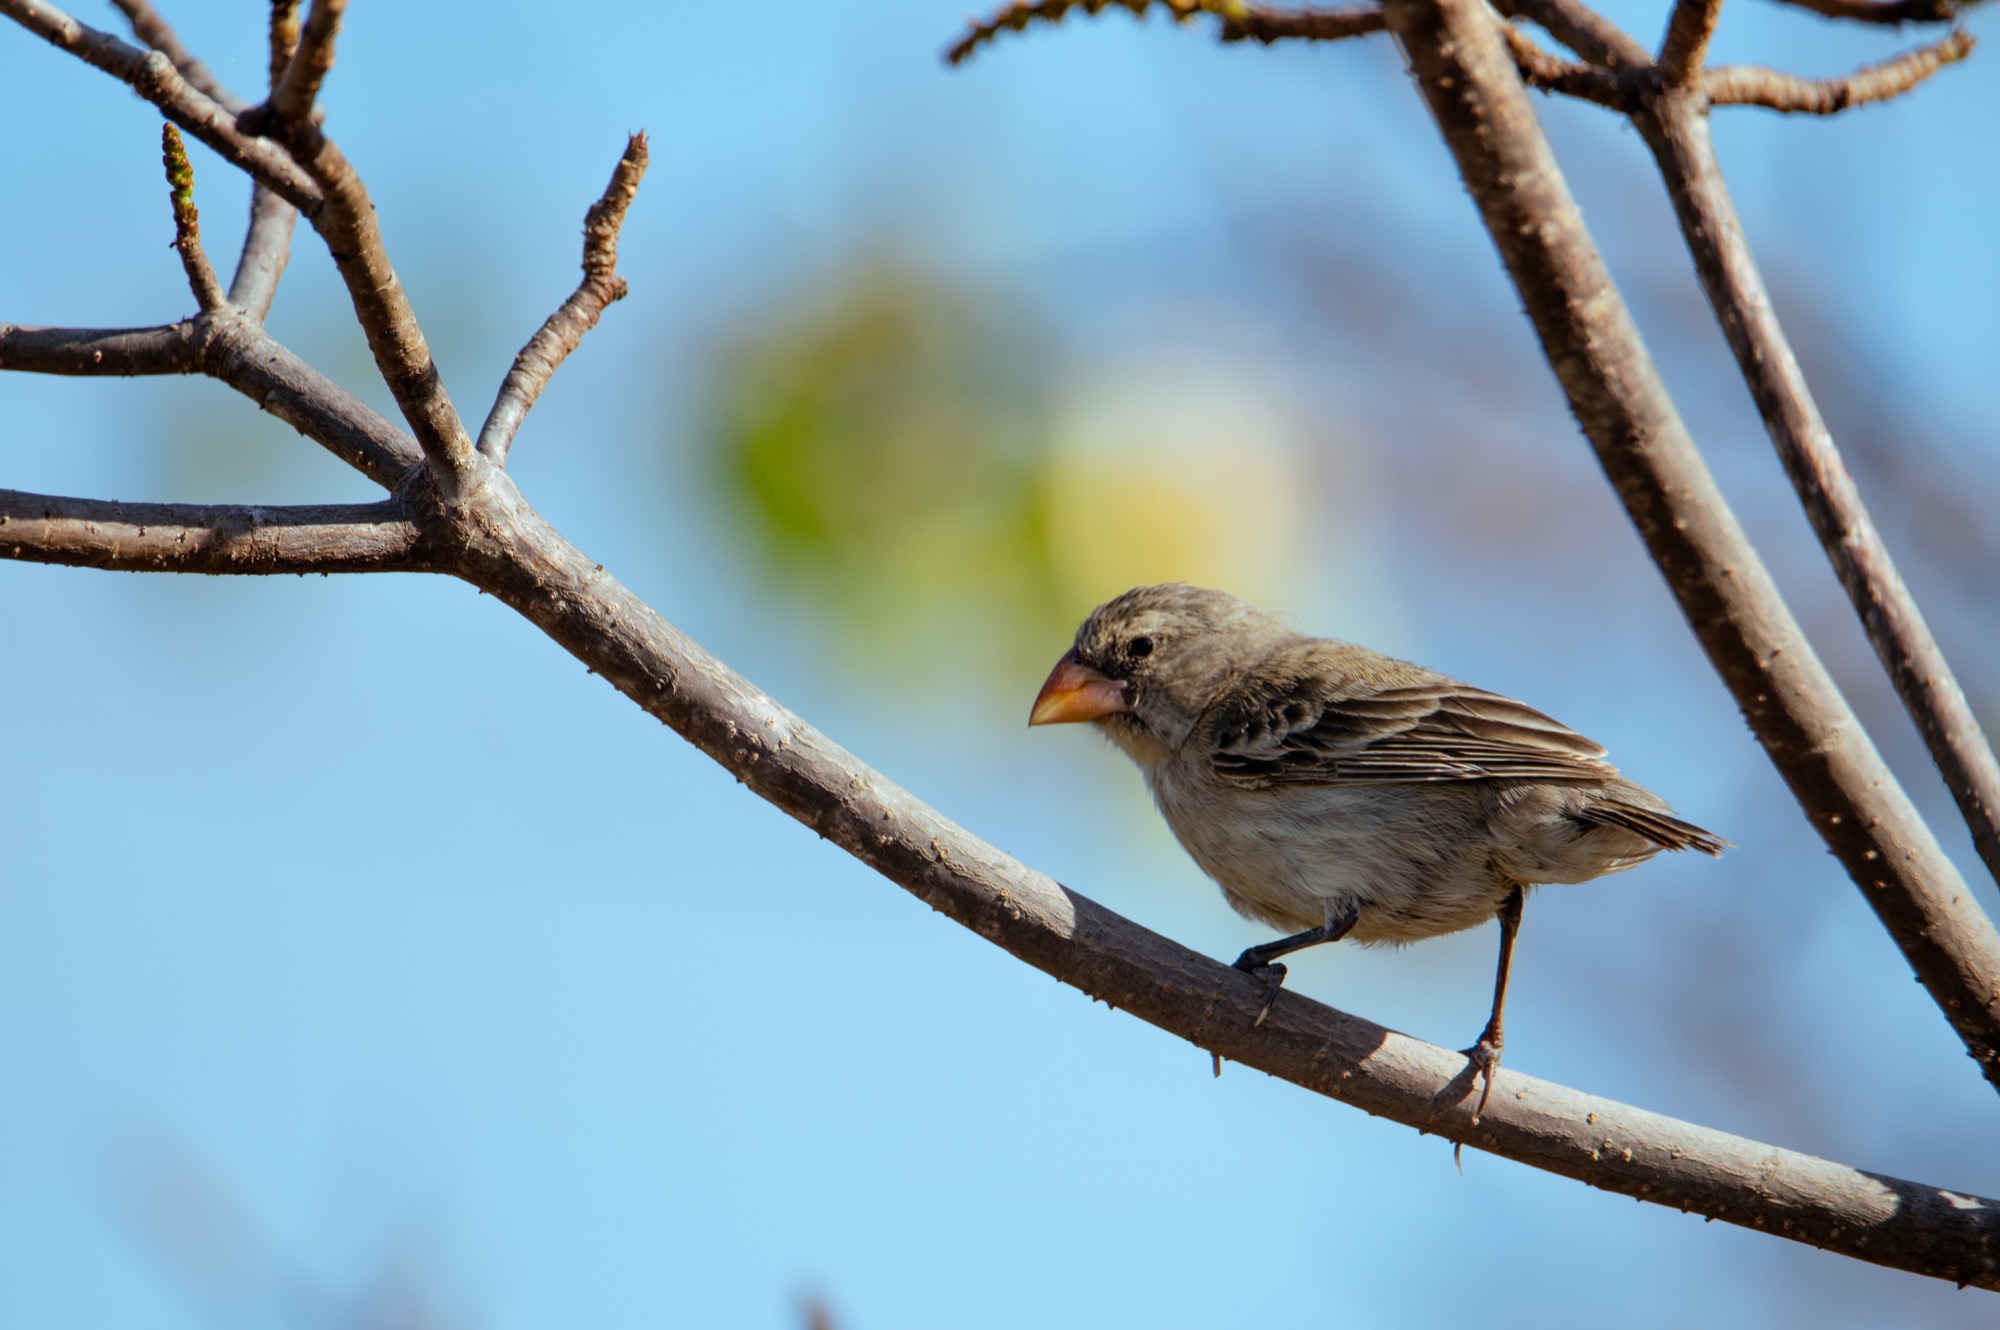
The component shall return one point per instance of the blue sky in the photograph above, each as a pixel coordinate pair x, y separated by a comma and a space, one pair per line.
357, 947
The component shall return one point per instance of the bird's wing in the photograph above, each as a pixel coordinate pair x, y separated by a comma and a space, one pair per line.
1303, 731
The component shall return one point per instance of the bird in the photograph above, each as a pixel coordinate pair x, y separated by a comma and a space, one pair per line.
1333, 792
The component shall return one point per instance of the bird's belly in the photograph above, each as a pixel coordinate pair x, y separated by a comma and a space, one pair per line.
1413, 867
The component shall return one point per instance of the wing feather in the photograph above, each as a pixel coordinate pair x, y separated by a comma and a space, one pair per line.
1302, 730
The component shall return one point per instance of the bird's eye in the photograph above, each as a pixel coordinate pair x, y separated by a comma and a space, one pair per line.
1139, 648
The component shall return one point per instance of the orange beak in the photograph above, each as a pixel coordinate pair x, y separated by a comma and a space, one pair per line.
1075, 692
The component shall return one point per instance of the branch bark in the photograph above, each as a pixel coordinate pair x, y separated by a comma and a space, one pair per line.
220, 538
173, 348
1739, 86
1848, 793
563, 330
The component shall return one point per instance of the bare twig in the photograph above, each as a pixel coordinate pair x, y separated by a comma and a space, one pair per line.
234, 349
173, 348
1749, 86
156, 32
1240, 21
1541, 69
1813, 738
1893, 13
187, 219
1677, 133
153, 76
284, 41
294, 92
1256, 23
1583, 30
220, 538
564, 329
1685, 46
267, 246
346, 221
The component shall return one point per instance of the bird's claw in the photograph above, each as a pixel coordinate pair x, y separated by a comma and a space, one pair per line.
1485, 1059
1273, 975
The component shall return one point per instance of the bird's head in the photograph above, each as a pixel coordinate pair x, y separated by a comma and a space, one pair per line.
1147, 664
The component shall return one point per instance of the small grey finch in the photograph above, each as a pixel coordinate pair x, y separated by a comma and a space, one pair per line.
1335, 793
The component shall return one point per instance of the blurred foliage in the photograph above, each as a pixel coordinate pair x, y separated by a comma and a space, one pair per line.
911, 461
877, 443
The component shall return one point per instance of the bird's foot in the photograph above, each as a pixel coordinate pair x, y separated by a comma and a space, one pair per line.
1273, 975
1485, 1059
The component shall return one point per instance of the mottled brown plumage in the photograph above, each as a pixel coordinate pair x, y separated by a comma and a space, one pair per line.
1334, 792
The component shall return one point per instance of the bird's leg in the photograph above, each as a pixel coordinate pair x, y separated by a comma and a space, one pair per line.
1485, 1055
1261, 960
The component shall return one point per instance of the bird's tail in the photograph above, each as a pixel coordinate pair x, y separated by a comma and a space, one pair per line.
1663, 829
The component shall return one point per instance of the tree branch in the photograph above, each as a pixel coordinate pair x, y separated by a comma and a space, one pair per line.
187, 220
267, 246
1892, 13
1812, 737
1685, 46
234, 349
220, 538
1583, 30
295, 90
1677, 132
1547, 72
346, 222
174, 348
1240, 21
1256, 23
511, 553
563, 331
158, 34
1741, 86
153, 76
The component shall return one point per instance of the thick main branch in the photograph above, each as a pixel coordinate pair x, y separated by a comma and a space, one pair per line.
1467, 76
510, 552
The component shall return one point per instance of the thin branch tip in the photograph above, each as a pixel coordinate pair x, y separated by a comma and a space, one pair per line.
1684, 47
295, 92
1240, 21
563, 331
1749, 85
187, 220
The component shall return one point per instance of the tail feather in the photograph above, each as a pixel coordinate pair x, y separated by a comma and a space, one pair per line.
1663, 829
